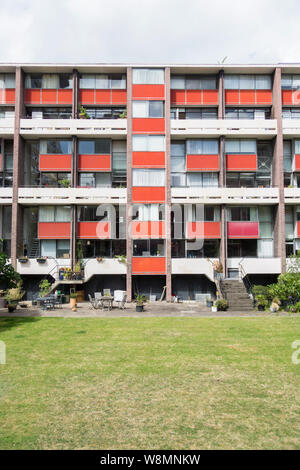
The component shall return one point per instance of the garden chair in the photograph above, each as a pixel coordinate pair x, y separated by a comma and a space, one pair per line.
93, 302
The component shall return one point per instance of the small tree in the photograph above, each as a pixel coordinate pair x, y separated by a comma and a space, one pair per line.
8, 275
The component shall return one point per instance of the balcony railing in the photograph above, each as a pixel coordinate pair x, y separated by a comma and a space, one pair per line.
225, 195
82, 127
241, 127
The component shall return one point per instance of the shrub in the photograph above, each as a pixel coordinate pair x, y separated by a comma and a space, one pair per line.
287, 287
294, 308
44, 286
221, 304
14, 294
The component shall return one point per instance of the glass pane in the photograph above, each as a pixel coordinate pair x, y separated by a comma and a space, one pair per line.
177, 163
140, 109
263, 82
247, 82
87, 81
148, 76
48, 248
177, 82
156, 109
156, 143
102, 146
232, 82
102, 82
177, 149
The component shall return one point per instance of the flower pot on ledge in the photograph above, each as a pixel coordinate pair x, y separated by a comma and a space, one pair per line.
41, 260
23, 260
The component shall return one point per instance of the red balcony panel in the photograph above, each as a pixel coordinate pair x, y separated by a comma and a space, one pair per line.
149, 125
194, 96
237, 162
119, 96
263, 96
202, 162
49, 96
148, 265
93, 230
243, 230
210, 97
148, 159
61, 230
232, 96
203, 230
247, 97
178, 97
33, 96
8, 96
2, 96
155, 92
94, 162
103, 97
148, 194
55, 162
287, 97
87, 96
297, 162
150, 229
298, 229
65, 96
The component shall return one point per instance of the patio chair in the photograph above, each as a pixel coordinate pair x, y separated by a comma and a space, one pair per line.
92, 302
120, 298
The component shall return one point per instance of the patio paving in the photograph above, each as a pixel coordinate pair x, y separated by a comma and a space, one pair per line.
154, 309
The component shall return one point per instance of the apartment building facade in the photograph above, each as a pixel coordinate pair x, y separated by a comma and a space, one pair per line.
147, 175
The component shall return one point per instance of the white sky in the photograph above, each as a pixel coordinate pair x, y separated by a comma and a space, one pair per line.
157, 31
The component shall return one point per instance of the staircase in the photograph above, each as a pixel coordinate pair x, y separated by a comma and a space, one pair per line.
34, 249
236, 294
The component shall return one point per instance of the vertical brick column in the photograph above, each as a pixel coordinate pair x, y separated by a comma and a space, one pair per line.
222, 175
278, 175
75, 97
18, 170
129, 186
168, 184
221, 95
73, 236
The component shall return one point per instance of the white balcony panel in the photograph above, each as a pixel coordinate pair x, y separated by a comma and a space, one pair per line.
72, 195
7, 128
227, 127
291, 127
255, 265
51, 267
106, 267
193, 266
225, 195
292, 195
68, 127
5, 195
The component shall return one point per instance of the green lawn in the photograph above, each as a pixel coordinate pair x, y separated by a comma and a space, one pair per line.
162, 383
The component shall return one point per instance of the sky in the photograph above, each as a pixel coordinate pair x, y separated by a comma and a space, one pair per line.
150, 31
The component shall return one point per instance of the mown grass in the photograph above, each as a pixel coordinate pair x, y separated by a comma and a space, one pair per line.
163, 383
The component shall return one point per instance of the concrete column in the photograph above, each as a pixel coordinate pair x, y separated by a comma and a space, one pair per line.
75, 100
18, 170
168, 184
74, 172
221, 97
223, 241
278, 175
129, 186
73, 236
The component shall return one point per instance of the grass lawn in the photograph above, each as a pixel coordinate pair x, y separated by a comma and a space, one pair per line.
162, 383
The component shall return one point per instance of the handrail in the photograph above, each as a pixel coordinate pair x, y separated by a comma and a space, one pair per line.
245, 276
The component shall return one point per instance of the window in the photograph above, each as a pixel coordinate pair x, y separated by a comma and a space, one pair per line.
148, 143
210, 249
147, 177
89, 214
7, 80
95, 180
248, 82
49, 80
193, 82
56, 147
199, 179
242, 214
148, 76
103, 81
55, 179
94, 147
54, 214
49, 113
242, 248
148, 248
290, 113
105, 113
290, 82
240, 146
265, 217
55, 248
247, 113
203, 146
147, 109
148, 212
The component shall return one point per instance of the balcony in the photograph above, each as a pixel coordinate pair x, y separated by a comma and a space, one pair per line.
36, 128
255, 265
51, 267
7, 128
210, 127
105, 267
292, 195
193, 266
291, 127
6, 195
225, 195
37, 195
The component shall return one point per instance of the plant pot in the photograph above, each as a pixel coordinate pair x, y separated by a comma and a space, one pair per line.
214, 309
41, 260
23, 260
2, 302
209, 303
261, 308
11, 308
73, 302
139, 308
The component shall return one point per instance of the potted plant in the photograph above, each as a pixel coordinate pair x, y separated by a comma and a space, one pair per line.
123, 115
221, 304
209, 302
65, 183
261, 302
275, 305
13, 295
83, 114
140, 299
23, 259
99, 259
73, 300
121, 258
44, 287
41, 259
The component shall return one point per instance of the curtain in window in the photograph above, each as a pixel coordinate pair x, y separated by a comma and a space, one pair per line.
27, 80
140, 109
297, 146
50, 80
145, 177
9, 81
103, 180
232, 82
178, 179
2, 81
286, 81
148, 76
210, 179
193, 83
194, 179
203, 146
247, 82
253, 214
62, 214
102, 82
46, 214
177, 149
240, 146
177, 82
263, 82
48, 248
178, 163
208, 83
151, 143
148, 212
265, 248
87, 81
